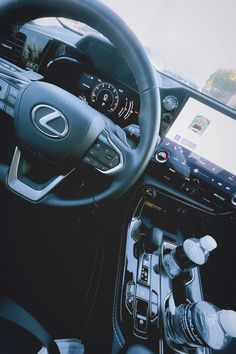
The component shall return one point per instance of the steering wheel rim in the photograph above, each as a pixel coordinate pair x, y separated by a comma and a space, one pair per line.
104, 20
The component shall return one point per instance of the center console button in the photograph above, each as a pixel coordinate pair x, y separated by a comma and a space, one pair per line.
219, 198
188, 189
141, 324
141, 309
142, 292
162, 156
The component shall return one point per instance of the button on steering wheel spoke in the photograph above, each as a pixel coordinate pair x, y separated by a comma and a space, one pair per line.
12, 80
8, 96
104, 155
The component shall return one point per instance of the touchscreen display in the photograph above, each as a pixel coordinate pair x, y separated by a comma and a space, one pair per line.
208, 134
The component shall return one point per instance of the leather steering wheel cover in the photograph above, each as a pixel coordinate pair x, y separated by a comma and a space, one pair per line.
100, 17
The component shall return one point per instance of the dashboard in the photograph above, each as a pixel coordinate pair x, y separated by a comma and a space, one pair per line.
197, 146
194, 155
108, 95
95, 83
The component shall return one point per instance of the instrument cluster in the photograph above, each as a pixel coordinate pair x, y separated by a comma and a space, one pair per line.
114, 99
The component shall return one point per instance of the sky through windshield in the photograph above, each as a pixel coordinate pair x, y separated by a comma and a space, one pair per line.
192, 38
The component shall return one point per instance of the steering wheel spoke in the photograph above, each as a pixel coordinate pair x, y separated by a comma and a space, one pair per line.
109, 153
8, 95
26, 188
12, 80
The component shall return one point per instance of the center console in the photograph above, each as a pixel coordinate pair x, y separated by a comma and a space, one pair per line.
147, 295
187, 193
195, 157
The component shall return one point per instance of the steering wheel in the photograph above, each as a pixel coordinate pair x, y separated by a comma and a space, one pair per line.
54, 127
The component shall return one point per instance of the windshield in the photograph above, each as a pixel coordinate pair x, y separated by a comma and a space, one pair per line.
189, 40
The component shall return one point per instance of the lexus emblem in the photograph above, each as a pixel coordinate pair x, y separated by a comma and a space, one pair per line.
49, 121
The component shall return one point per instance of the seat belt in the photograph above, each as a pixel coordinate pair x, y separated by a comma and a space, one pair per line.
14, 313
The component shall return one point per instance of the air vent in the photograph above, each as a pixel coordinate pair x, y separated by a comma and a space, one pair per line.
12, 48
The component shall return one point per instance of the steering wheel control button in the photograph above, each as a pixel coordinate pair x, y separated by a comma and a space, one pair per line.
98, 147
162, 156
13, 91
94, 163
2, 105
12, 96
3, 89
8, 97
102, 157
11, 100
10, 111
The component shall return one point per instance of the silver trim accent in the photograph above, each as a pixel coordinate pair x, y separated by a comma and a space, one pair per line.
15, 79
6, 46
23, 189
43, 121
233, 199
120, 165
62, 58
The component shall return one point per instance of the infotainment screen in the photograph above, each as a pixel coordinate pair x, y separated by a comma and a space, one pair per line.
207, 139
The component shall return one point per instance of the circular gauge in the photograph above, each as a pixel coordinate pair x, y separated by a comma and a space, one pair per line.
105, 97
170, 103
